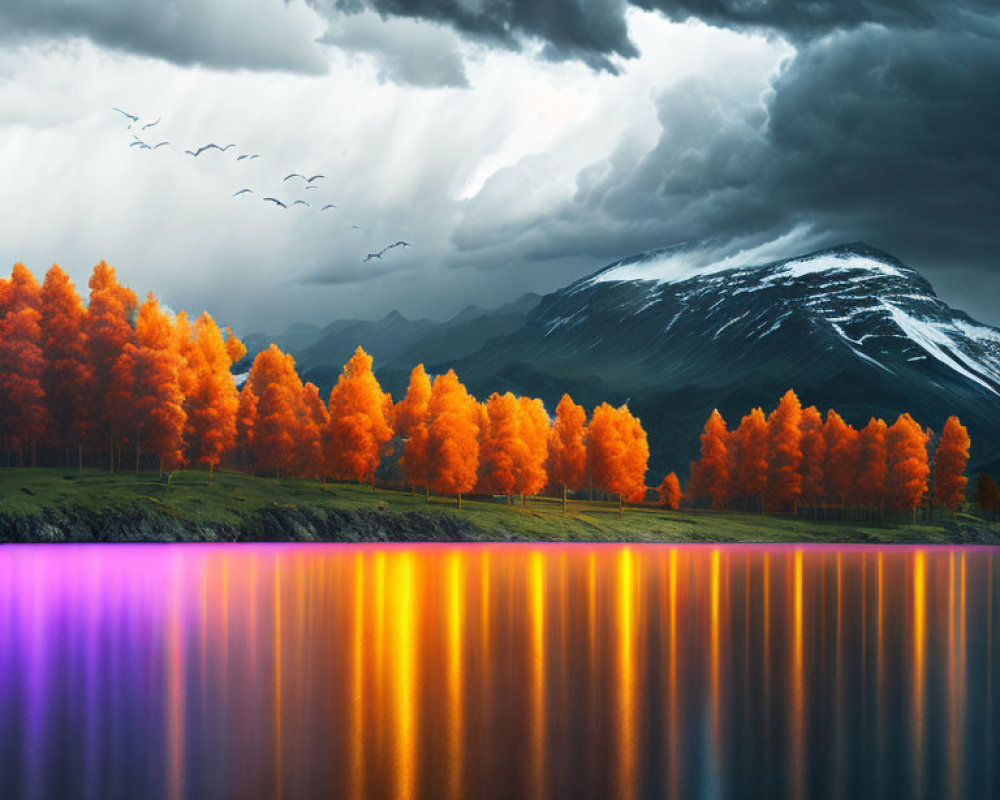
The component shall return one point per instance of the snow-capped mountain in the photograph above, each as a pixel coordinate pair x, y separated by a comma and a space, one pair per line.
849, 327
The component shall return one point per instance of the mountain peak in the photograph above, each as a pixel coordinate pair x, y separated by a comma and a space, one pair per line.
683, 262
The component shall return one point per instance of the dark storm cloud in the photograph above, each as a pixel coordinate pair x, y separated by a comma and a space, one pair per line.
590, 31
226, 34
406, 52
803, 19
594, 31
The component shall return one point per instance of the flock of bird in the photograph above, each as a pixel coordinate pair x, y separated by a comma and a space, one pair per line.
308, 183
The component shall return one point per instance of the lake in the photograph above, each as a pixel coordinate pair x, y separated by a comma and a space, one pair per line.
498, 671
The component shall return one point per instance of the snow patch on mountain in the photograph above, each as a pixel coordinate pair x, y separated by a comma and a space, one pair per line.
837, 263
677, 265
935, 339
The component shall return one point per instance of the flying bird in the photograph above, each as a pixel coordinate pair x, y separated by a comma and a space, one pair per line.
275, 200
209, 146
293, 175
354, 227
314, 178
400, 243
312, 187
370, 256
131, 117
243, 191
159, 145
250, 156
300, 202
138, 143
151, 124
331, 205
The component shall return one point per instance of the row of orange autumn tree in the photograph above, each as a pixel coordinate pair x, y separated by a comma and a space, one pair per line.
794, 456
449, 442
114, 377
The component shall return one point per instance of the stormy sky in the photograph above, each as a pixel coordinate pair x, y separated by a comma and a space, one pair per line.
517, 144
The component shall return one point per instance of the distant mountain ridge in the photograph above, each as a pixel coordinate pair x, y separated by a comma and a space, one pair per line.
849, 327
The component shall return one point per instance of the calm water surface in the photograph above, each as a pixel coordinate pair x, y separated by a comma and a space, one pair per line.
498, 672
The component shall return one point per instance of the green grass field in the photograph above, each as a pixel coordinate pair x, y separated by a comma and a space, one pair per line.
234, 498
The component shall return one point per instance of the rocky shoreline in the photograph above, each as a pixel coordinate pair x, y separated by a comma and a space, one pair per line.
266, 525
319, 524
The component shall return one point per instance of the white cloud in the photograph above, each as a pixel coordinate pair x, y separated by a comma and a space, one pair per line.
478, 178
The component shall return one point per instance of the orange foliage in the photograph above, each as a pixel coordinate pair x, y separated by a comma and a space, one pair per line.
453, 428
949, 464
110, 313
534, 426
501, 446
813, 445
906, 446
841, 455
567, 461
66, 377
268, 412
750, 443
148, 376
711, 473
310, 458
212, 401
618, 452
410, 418
670, 492
785, 452
872, 467
358, 427
23, 413
235, 349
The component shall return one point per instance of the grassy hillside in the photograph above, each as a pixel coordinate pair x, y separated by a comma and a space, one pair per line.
238, 501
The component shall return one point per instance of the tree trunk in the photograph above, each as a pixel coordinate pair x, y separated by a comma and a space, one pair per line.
111, 453
564, 500
427, 495
161, 465
79, 456
373, 482
211, 470
137, 451
621, 507
459, 501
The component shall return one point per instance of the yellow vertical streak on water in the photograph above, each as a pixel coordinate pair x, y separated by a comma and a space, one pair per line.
175, 686
278, 772
673, 727
357, 776
536, 599
626, 673
455, 586
715, 585
404, 672
798, 681
919, 625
